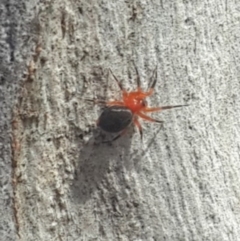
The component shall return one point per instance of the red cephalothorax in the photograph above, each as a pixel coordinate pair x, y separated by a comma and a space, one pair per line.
135, 101
119, 114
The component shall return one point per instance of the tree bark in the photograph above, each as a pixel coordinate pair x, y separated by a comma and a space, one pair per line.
59, 180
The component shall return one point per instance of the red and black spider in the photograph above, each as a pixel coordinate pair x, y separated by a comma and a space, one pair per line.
119, 114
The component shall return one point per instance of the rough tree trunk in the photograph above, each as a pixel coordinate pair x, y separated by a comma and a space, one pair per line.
58, 181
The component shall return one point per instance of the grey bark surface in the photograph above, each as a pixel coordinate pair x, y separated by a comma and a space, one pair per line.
17, 30
59, 181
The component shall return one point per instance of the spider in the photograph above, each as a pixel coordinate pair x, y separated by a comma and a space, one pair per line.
119, 114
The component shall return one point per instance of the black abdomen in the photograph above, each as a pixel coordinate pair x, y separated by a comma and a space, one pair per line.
115, 119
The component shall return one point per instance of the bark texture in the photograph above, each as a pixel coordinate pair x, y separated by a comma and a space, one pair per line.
59, 181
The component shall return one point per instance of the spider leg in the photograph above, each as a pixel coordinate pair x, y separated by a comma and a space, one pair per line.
118, 82
154, 81
148, 118
138, 77
97, 101
108, 103
118, 103
152, 109
116, 137
138, 125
